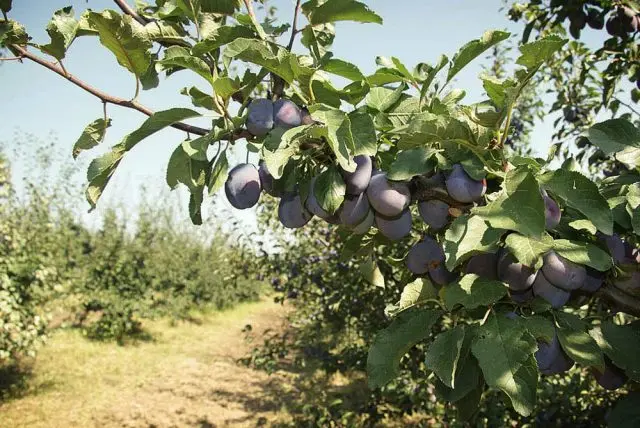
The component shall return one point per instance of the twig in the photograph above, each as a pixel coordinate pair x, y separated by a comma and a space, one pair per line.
104, 97
294, 28
13, 58
627, 105
124, 6
254, 19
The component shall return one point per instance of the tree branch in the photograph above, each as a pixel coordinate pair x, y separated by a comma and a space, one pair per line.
106, 98
294, 27
622, 301
124, 6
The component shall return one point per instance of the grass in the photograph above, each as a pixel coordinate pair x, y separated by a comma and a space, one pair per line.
77, 382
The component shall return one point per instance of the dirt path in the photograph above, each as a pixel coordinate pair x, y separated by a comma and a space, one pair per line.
188, 376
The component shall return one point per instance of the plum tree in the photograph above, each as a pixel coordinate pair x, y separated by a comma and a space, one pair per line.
612, 378
563, 273
552, 212
557, 297
463, 188
551, 358
358, 180
354, 210
291, 212
286, 114
516, 275
243, 186
260, 117
388, 198
394, 228
483, 265
435, 213
425, 255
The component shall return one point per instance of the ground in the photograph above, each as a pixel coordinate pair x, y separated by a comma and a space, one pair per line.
188, 375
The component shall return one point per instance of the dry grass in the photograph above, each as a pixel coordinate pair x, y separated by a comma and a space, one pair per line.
186, 376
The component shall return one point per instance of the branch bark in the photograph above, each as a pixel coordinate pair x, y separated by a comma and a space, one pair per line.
294, 27
622, 301
124, 6
104, 97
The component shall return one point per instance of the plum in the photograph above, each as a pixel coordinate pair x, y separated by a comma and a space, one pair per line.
365, 225
358, 180
612, 378
394, 228
463, 188
243, 186
387, 197
426, 254
593, 281
521, 297
557, 297
266, 180
517, 276
595, 19
286, 114
570, 114
563, 273
483, 265
354, 210
435, 213
441, 276
552, 212
616, 247
551, 357
628, 19
615, 27
292, 213
260, 117
313, 205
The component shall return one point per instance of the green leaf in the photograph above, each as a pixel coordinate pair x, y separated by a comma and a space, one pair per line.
468, 405
389, 346
343, 10
164, 31
630, 157
583, 225
330, 189
577, 343
626, 413
410, 163
371, 272
99, 173
258, 52
178, 56
62, 30
189, 164
199, 98
225, 87
431, 75
223, 7
467, 379
614, 135
92, 135
220, 37
473, 49
5, 5
504, 349
471, 292
219, 173
195, 206
382, 99
336, 129
468, 236
103, 167
343, 69
413, 294
363, 133
582, 194
620, 343
443, 354
13, 33
583, 253
280, 146
540, 327
535, 53
125, 38
519, 206
527, 250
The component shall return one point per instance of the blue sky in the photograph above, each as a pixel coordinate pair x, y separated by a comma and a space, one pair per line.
43, 104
